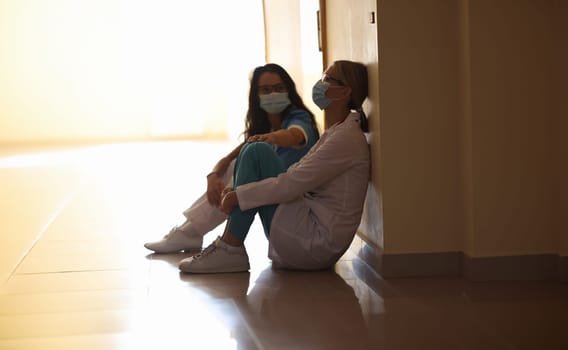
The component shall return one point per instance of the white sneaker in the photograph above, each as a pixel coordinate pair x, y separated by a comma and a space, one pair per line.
176, 241
218, 257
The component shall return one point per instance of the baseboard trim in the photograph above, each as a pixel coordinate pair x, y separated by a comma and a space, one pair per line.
447, 264
518, 267
457, 264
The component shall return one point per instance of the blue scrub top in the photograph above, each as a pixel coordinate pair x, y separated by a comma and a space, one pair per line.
301, 119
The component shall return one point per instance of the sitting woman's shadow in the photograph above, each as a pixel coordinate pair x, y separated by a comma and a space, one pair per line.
283, 309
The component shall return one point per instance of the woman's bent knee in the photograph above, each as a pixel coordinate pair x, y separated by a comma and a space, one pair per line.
257, 150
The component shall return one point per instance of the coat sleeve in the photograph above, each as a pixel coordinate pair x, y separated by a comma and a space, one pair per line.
333, 157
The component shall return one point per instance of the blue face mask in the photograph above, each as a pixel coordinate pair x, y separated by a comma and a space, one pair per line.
275, 102
318, 94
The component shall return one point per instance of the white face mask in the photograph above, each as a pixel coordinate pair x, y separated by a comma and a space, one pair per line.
275, 102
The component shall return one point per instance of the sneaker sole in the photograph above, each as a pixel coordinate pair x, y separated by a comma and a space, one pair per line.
227, 270
166, 251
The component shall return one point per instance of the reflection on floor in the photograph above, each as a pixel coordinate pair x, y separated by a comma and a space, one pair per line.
76, 276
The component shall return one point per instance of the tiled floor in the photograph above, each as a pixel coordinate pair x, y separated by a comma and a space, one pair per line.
76, 276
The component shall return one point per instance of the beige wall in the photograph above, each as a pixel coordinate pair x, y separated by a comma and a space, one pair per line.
518, 74
352, 20
510, 126
470, 152
418, 67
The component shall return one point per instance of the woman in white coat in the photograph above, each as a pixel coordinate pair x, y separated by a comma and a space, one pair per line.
311, 211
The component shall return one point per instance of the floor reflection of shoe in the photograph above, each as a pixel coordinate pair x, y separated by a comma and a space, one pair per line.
218, 257
176, 241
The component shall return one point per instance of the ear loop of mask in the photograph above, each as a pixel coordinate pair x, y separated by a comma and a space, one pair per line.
336, 86
329, 86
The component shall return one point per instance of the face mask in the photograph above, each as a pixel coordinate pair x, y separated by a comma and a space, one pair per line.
318, 94
275, 102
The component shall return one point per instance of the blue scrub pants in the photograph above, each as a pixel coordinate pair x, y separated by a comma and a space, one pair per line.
256, 161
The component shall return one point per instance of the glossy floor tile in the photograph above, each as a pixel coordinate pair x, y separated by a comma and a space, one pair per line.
75, 274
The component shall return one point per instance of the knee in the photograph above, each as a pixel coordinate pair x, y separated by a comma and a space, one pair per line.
256, 149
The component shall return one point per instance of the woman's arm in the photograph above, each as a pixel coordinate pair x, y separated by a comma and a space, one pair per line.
333, 157
214, 183
291, 137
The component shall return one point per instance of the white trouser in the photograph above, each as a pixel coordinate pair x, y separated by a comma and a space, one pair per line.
203, 216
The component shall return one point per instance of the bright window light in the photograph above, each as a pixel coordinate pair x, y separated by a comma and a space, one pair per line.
126, 68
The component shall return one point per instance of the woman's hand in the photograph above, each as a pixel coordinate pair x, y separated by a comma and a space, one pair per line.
229, 202
268, 138
215, 188
291, 137
225, 191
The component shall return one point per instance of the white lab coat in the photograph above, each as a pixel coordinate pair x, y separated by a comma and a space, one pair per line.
321, 199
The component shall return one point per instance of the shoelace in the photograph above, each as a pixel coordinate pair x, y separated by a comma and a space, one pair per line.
210, 249
175, 228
